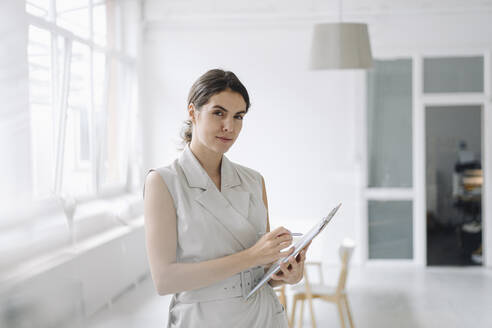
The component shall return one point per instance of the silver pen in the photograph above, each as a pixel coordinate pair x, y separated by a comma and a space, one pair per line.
293, 234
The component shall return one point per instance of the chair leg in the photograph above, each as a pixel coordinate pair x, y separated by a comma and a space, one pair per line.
293, 313
301, 314
284, 302
348, 311
313, 320
340, 312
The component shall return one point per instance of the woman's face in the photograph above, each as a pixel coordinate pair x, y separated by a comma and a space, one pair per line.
218, 123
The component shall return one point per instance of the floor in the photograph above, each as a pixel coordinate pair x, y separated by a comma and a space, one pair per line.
444, 249
380, 297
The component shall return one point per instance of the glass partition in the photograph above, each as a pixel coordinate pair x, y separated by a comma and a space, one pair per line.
390, 229
389, 120
453, 74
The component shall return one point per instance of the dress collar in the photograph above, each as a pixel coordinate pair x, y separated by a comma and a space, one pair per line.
197, 177
230, 206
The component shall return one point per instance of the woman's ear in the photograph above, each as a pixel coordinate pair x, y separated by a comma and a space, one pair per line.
191, 112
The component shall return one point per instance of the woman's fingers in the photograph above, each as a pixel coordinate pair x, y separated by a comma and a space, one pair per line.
291, 272
282, 273
297, 266
301, 257
286, 253
276, 276
278, 231
281, 242
302, 254
285, 241
292, 260
284, 238
284, 244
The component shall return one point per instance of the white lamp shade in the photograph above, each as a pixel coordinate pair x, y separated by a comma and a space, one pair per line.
341, 46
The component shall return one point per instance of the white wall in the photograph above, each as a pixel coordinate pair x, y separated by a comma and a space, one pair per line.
303, 130
15, 136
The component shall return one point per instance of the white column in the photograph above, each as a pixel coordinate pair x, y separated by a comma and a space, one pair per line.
15, 136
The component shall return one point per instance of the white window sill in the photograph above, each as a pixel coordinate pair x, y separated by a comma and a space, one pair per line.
43, 242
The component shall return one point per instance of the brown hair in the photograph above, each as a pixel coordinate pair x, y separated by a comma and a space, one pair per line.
212, 82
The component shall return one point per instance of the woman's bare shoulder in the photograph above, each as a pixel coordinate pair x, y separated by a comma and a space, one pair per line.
158, 199
155, 184
159, 180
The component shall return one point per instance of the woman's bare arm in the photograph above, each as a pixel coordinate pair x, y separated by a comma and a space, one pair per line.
161, 242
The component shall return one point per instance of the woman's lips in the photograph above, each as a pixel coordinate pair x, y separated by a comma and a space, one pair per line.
224, 140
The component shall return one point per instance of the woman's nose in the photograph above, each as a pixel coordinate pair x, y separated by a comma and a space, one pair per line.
228, 126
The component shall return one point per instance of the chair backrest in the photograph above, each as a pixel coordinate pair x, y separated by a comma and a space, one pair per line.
345, 251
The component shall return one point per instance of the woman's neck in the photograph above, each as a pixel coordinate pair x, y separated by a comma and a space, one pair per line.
210, 160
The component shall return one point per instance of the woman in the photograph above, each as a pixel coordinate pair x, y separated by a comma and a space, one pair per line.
208, 237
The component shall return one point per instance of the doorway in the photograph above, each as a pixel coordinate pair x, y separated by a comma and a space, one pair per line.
454, 180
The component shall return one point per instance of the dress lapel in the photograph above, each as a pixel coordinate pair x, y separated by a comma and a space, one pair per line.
230, 207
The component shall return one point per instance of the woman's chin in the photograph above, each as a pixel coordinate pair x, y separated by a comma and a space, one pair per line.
223, 146
219, 148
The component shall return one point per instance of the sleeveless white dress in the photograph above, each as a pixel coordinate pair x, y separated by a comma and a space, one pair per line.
213, 224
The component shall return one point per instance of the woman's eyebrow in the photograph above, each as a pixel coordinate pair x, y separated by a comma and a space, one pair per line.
225, 110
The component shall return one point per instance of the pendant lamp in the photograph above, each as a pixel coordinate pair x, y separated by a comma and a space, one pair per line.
340, 46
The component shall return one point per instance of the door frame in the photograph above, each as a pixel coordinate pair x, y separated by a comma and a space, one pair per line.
422, 102
418, 193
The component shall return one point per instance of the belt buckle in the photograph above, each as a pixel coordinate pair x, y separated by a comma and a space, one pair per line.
246, 286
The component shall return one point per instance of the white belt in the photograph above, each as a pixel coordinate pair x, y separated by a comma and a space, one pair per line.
238, 285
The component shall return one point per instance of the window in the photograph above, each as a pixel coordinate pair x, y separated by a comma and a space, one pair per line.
81, 91
38, 7
390, 229
74, 16
42, 81
62, 71
390, 124
77, 155
389, 185
453, 74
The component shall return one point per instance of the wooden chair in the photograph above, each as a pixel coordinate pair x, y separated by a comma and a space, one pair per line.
338, 295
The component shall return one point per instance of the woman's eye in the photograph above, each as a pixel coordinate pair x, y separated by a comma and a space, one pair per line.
219, 113
239, 117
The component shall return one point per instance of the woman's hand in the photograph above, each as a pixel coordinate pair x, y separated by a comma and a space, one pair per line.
268, 248
292, 271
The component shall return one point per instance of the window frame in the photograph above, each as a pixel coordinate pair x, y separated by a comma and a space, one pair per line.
111, 53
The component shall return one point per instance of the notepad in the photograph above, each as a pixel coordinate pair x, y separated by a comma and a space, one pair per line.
297, 248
